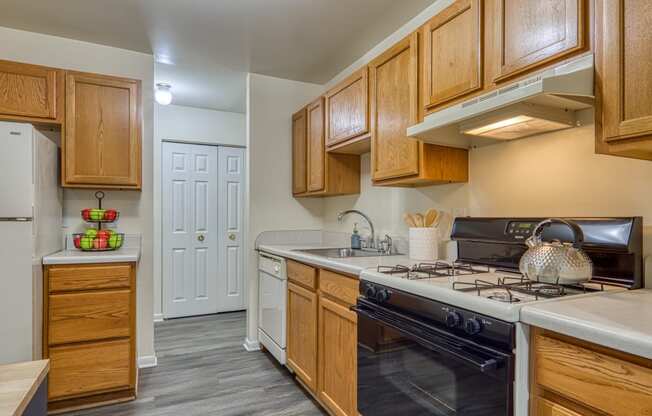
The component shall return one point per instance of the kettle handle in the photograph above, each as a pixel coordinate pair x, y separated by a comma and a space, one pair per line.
578, 234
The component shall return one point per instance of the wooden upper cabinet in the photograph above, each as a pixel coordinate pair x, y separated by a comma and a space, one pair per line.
394, 100
347, 109
532, 33
102, 144
30, 92
316, 148
299, 152
453, 53
624, 75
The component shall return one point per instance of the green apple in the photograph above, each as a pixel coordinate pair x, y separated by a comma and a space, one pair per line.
97, 214
91, 232
86, 243
115, 241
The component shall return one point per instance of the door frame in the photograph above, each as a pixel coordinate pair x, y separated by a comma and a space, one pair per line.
158, 220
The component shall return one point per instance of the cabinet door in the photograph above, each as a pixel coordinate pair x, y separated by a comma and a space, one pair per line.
547, 408
453, 53
531, 33
316, 146
394, 100
30, 91
302, 334
102, 145
299, 152
80, 369
338, 357
626, 66
347, 108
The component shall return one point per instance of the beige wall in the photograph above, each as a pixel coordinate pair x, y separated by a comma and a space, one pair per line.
270, 104
556, 174
135, 207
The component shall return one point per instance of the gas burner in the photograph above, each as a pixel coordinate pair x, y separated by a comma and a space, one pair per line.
504, 296
432, 270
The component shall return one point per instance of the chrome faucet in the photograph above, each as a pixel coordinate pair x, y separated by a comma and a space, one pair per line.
372, 238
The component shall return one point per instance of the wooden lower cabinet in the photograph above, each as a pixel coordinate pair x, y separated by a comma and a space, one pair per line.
547, 408
89, 334
338, 341
571, 377
322, 336
302, 334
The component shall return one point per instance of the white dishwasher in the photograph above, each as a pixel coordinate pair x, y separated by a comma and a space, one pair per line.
272, 293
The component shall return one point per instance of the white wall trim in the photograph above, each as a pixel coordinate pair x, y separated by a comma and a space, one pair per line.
158, 317
250, 345
147, 361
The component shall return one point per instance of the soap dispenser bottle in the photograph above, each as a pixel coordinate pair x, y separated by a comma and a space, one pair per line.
355, 237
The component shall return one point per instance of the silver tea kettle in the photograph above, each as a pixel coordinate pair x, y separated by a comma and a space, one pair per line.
556, 262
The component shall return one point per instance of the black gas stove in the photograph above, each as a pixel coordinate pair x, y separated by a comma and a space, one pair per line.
419, 356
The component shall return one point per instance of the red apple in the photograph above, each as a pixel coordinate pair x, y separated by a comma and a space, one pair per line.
86, 214
103, 234
77, 240
110, 215
100, 243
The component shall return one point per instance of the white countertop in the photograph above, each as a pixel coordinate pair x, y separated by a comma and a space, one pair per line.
74, 256
350, 265
616, 320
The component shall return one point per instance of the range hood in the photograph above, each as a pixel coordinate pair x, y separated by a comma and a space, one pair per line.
542, 103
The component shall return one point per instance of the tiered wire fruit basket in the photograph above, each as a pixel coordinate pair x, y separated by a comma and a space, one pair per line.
98, 238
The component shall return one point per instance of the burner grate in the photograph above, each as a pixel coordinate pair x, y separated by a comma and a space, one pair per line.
433, 270
507, 288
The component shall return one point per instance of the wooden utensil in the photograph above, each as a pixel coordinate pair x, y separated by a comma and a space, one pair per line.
431, 217
407, 217
420, 221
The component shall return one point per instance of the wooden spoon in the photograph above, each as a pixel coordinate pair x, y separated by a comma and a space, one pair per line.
420, 221
431, 217
407, 217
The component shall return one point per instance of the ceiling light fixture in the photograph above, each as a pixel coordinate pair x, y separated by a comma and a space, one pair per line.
163, 94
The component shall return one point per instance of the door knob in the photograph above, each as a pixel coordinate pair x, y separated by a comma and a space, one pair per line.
232, 237
200, 237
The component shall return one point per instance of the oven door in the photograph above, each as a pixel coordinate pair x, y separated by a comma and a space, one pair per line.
406, 367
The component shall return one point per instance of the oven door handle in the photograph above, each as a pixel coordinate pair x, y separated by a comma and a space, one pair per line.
485, 363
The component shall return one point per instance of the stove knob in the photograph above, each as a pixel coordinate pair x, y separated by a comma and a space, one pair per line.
472, 326
453, 319
382, 295
370, 292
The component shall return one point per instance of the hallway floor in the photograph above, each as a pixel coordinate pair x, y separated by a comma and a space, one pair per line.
204, 370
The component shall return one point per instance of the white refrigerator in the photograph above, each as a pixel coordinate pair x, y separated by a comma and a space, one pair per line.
30, 228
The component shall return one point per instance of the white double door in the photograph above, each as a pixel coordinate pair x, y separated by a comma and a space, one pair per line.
202, 229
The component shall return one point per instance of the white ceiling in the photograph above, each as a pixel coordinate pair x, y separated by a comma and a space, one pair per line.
213, 43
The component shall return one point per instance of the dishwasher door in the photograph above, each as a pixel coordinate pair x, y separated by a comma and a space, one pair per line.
272, 294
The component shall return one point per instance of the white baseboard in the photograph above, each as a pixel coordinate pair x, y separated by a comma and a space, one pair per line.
250, 345
147, 361
158, 317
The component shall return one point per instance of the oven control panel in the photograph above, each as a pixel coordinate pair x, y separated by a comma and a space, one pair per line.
520, 230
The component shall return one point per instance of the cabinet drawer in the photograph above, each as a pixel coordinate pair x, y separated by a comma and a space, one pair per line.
89, 316
338, 286
547, 408
302, 274
601, 381
87, 277
81, 369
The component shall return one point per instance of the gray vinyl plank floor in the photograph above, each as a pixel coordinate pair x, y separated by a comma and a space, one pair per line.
204, 370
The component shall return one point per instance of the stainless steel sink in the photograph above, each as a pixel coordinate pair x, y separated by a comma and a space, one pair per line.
344, 252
